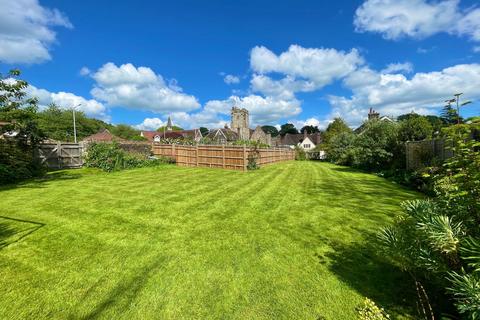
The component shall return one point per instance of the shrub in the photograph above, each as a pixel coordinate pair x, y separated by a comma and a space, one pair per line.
17, 163
110, 157
300, 154
370, 311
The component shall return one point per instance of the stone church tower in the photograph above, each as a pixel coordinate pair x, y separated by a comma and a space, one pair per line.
240, 123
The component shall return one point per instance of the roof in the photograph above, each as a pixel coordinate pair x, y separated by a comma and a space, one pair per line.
150, 135
102, 136
291, 139
229, 134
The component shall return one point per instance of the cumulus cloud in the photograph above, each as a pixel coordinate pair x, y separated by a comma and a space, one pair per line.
231, 79
140, 88
316, 65
69, 100
406, 67
396, 19
26, 31
395, 94
150, 124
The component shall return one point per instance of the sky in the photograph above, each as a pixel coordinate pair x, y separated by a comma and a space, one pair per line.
302, 62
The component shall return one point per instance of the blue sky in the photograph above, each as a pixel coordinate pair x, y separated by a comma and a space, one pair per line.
305, 62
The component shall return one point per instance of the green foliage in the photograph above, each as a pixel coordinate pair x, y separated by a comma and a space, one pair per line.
337, 127
127, 132
450, 115
415, 128
271, 129
374, 148
174, 128
204, 131
370, 311
21, 132
310, 129
300, 154
340, 148
110, 157
57, 124
287, 128
439, 239
250, 143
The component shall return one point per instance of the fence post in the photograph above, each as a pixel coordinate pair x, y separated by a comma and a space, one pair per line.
223, 156
196, 155
244, 158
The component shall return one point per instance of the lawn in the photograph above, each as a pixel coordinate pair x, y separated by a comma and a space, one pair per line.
294, 240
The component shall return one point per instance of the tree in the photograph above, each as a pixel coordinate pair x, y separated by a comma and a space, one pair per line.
287, 128
309, 129
450, 115
270, 129
436, 122
57, 124
204, 131
415, 128
17, 148
126, 132
174, 128
336, 127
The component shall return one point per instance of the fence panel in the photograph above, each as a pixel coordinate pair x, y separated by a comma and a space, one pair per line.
220, 156
61, 155
420, 154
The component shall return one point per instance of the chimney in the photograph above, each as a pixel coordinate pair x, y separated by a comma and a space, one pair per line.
372, 114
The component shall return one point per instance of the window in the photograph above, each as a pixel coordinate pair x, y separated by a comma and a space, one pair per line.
306, 146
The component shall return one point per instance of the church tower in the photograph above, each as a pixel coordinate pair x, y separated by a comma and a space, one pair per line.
240, 123
169, 124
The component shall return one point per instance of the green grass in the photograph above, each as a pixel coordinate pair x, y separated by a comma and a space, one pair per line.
294, 240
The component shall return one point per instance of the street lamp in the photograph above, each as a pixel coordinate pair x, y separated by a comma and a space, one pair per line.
74, 124
457, 100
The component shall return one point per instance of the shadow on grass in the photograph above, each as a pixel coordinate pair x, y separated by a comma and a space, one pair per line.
121, 297
14, 230
366, 271
35, 183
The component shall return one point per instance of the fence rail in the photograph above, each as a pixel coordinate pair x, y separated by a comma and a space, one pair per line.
221, 156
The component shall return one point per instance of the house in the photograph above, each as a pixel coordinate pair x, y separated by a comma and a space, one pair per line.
223, 136
169, 133
372, 115
102, 136
304, 140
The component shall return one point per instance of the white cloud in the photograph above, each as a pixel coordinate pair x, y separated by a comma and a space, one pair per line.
316, 65
299, 124
395, 19
283, 89
395, 94
150, 124
26, 31
68, 100
140, 88
231, 79
476, 49
406, 67
85, 71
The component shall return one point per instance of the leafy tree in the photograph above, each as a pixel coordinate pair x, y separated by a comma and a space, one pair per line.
18, 114
57, 124
414, 128
450, 115
340, 149
287, 128
174, 128
204, 131
437, 124
126, 132
270, 129
336, 127
375, 147
309, 129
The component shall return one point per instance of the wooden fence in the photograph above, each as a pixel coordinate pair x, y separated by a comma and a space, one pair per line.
61, 155
221, 156
423, 153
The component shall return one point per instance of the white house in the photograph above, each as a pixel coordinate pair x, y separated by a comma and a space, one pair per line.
306, 144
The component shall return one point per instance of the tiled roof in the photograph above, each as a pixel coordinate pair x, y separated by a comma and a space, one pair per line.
102, 136
294, 139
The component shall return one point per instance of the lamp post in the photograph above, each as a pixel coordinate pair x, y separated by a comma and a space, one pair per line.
74, 124
457, 100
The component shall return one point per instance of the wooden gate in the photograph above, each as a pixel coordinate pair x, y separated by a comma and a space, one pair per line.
61, 155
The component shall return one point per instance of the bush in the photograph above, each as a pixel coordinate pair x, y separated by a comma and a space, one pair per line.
370, 311
110, 157
300, 154
17, 163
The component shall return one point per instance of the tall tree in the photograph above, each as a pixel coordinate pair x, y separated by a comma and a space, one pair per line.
287, 128
310, 129
270, 129
126, 132
415, 129
450, 115
204, 131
